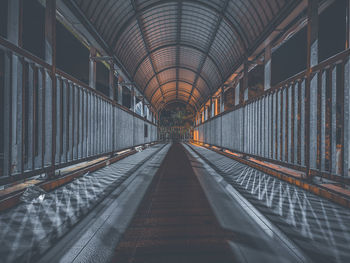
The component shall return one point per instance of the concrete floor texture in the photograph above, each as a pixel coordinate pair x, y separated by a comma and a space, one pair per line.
176, 202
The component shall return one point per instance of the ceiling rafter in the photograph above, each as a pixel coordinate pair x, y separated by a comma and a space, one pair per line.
142, 31
236, 27
203, 42
158, 100
181, 81
175, 45
162, 106
172, 67
178, 36
212, 38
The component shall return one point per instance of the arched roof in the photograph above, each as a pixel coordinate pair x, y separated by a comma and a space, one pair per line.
182, 50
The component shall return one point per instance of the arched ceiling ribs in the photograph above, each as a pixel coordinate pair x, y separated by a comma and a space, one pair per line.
159, 100
181, 81
196, 41
172, 67
235, 26
221, 15
140, 25
193, 106
177, 45
178, 36
161, 107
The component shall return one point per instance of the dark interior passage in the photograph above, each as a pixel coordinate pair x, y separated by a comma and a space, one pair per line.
174, 222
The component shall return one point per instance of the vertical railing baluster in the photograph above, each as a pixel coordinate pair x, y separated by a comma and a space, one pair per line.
31, 118
302, 123
291, 125
48, 128
71, 116
323, 121
284, 124
333, 124
274, 126
65, 120
296, 122
58, 120
279, 124
346, 118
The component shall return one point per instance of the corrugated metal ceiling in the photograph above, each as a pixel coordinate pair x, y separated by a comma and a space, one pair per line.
182, 50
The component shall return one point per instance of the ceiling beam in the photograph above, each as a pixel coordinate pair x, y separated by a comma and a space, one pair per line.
154, 92
212, 38
162, 106
178, 37
175, 45
180, 67
239, 32
142, 31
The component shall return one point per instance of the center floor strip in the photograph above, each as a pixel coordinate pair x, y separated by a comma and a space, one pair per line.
174, 222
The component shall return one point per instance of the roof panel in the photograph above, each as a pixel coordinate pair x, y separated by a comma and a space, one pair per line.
197, 42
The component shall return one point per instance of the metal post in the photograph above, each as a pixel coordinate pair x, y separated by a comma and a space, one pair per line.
143, 108
133, 99
222, 105
267, 68
237, 92
243, 94
50, 87
120, 94
345, 140
311, 88
92, 68
211, 108
13, 92
111, 81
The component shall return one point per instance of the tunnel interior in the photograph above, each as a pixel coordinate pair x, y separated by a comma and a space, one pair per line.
175, 130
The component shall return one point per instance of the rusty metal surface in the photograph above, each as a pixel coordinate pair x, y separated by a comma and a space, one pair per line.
174, 222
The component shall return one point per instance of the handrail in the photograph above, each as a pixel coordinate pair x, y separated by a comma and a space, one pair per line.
7, 45
336, 59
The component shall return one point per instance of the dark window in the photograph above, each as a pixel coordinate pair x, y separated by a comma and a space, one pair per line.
290, 58
102, 78
332, 30
71, 55
146, 130
256, 81
34, 27
3, 17
126, 97
229, 99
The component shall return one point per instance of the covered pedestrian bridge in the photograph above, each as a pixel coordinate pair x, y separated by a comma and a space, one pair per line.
174, 130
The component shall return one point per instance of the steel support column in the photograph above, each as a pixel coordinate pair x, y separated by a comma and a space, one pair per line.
50, 87
92, 68
243, 94
111, 81
237, 94
13, 94
267, 68
311, 88
222, 104
345, 140
120, 94
133, 99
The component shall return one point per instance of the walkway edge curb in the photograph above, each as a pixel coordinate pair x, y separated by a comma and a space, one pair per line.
259, 218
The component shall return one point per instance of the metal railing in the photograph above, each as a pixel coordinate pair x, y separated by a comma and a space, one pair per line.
54, 120
277, 126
